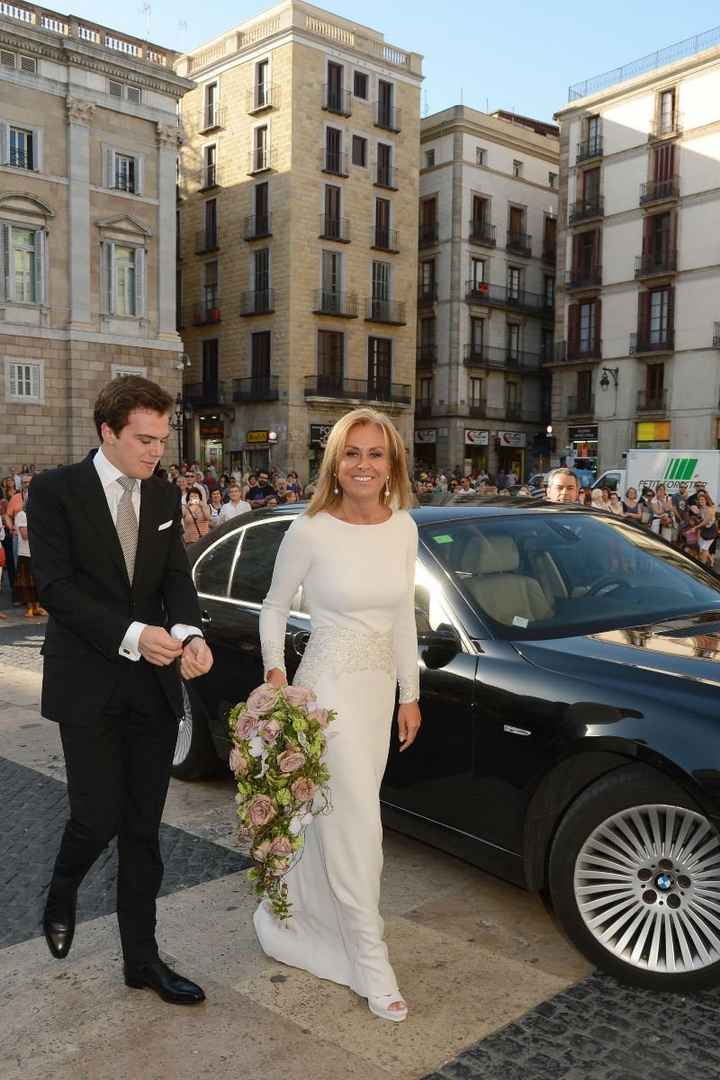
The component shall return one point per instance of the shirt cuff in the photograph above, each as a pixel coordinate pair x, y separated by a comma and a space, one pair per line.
180, 631
130, 644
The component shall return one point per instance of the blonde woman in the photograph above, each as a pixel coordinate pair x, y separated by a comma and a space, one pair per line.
354, 552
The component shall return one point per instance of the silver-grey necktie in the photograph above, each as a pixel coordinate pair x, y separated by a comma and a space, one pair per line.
127, 523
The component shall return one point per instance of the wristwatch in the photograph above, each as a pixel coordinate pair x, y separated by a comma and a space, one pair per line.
191, 637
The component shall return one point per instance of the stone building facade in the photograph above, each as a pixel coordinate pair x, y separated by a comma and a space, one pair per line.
88, 148
298, 225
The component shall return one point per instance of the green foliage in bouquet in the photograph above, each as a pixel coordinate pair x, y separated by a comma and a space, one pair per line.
279, 741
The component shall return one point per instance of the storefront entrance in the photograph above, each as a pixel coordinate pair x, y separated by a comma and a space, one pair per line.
511, 453
476, 450
212, 441
583, 443
425, 448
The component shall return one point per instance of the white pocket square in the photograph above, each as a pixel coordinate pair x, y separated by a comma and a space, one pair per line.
165, 525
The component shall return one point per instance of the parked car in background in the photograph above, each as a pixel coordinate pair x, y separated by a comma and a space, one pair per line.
570, 684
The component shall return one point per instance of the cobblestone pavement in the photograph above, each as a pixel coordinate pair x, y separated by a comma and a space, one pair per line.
20, 645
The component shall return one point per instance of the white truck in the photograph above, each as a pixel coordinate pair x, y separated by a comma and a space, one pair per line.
648, 468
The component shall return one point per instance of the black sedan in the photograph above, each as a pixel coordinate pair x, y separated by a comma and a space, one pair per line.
570, 692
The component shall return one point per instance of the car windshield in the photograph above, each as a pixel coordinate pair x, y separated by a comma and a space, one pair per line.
556, 574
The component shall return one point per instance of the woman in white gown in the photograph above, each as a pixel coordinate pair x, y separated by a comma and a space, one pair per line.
354, 552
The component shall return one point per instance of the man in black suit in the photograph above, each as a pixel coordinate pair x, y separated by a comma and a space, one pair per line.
111, 569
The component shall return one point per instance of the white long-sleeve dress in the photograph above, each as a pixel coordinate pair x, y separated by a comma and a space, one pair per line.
358, 585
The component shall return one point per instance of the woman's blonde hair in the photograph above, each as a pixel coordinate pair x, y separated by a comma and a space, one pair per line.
325, 496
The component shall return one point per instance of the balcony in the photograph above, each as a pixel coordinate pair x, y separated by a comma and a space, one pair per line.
206, 240
666, 128
663, 261
387, 117
329, 302
482, 232
655, 402
425, 357
258, 226
20, 159
260, 160
255, 388
384, 239
428, 234
571, 352
655, 191
652, 341
549, 255
589, 149
207, 312
583, 277
256, 302
333, 386
581, 406
262, 96
211, 117
482, 292
586, 210
505, 357
336, 100
210, 177
334, 228
204, 394
427, 293
479, 409
386, 177
518, 243
423, 407
334, 162
391, 312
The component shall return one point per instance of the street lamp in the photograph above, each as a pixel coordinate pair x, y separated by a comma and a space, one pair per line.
606, 374
178, 423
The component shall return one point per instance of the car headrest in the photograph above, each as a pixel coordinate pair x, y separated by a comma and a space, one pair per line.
498, 555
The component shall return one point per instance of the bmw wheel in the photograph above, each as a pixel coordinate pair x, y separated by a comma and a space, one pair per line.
194, 756
635, 882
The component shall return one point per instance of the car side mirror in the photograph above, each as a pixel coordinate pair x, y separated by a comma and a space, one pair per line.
444, 637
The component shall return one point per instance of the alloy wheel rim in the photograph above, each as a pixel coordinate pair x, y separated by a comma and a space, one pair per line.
184, 735
647, 885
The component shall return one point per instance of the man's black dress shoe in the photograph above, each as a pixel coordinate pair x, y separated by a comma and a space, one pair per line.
59, 924
156, 975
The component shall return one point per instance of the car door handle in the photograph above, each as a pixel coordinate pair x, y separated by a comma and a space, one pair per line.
205, 618
300, 640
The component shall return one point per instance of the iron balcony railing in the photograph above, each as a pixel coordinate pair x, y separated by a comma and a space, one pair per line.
659, 190
650, 341
210, 176
256, 302
549, 255
336, 100
334, 228
210, 392
482, 292
482, 232
206, 240
519, 243
255, 388
386, 176
334, 386
661, 261
588, 149
384, 239
426, 356
427, 293
583, 277
571, 351
586, 210
584, 405
386, 311
423, 407
500, 356
207, 311
260, 159
666, 128
212, 116
428, 234
330, 302
258, 226
262, 96
387, 117
19, 159
655, 401
334, 161
479, 408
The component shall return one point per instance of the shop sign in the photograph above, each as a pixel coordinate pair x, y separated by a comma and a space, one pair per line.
474, 437
589, 433
426, 435
212, 429
511, 438
257, 437
319, 434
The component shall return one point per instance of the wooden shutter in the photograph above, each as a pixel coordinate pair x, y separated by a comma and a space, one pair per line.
577, 252
5, 262
671, 311
39, 266
647, 240
109, 167
598, 327
596, 236
4, 142
108, 273
643, 323
139, 282
573, 331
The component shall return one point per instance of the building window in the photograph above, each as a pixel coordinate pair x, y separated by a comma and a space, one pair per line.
380, 280
480, 156
209, 166
429, 159
22, 268
476, 392
385, 174
514, 282
379, 368
124, 91
359, 151
477, 336
552, 179
260, 354
477, 272
331, 274
331, 347
587, 326
212, 93
427, 280
517, 168
592, 131
261, 149
261, 275
659, 320
262, 84
123, 171
549, 290
513, 340
666, 111
24, 381
124, 280
360, 85
211, 367
21, 151
654, 383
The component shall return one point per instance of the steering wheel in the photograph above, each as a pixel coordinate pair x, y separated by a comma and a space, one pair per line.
606, 583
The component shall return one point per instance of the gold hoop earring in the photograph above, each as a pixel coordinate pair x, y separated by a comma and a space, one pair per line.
387, 487
336, 489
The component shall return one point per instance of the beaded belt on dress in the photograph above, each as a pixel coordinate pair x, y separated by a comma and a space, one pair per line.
338, 650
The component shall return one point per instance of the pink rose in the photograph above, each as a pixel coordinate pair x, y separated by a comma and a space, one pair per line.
246, 725
261, 851
261, 809
279, 867
299, 695
262, 699
270, 730
303, 790
281, 846
321, 716
238, 764
290, 761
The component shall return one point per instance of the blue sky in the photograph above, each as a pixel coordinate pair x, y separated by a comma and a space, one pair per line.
513, 55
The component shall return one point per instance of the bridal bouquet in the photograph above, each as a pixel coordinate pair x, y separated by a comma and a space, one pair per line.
278, 741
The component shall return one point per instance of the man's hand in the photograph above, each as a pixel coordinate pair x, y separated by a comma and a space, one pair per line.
409, 721
196, 659
158, 647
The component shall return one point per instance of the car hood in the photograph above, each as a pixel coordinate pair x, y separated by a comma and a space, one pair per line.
686, 647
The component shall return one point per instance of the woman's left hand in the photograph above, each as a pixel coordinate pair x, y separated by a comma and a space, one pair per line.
409, 721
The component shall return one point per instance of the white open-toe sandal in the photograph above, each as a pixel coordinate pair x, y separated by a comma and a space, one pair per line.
380, 1006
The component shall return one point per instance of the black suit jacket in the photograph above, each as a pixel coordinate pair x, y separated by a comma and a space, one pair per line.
79, 569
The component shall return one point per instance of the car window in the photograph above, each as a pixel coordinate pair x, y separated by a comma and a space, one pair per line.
212, 570
256, 560
552, 575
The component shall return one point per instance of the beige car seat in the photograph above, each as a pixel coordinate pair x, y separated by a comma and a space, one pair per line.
490, 567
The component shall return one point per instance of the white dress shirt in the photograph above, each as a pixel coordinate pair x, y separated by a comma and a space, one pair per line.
229, 510
108, 473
